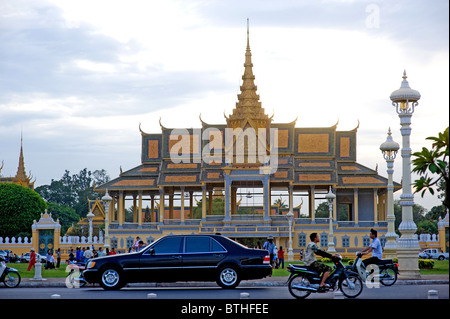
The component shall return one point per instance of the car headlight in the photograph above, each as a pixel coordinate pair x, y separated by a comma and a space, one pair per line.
90, 265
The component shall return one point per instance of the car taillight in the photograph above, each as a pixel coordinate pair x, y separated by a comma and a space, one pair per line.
266, 260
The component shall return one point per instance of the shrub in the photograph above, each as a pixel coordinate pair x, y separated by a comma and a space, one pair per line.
426, 264
325, 260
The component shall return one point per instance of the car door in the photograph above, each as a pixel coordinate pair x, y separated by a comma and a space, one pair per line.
201, 256
162, 260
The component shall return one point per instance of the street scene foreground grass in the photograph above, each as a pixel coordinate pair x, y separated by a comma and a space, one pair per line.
441, 267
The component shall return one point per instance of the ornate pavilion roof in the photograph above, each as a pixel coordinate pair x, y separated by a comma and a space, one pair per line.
318, 156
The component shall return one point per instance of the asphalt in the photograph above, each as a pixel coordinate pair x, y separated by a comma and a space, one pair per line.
265, 282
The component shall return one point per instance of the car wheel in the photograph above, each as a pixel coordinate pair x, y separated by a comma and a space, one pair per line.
228, 277
111, 278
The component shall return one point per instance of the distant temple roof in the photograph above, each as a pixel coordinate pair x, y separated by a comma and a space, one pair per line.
21, 177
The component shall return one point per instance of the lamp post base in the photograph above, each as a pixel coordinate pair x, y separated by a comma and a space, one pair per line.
408, 262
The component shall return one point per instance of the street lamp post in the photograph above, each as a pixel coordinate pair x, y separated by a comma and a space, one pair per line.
330, 198
405, 100
106, 200
290, 218
90, 217
389, 150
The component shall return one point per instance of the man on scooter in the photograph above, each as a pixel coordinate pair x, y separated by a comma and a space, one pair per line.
374, 248
310, 259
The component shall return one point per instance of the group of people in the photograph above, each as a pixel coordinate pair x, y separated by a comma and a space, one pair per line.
276, 255
50, 261
11, 257
82, 254
137, 246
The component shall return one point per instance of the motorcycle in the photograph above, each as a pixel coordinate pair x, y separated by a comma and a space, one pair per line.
10, 276
303, 281
385, 271
75, 276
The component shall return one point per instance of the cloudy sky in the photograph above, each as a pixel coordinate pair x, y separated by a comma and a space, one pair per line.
77, 77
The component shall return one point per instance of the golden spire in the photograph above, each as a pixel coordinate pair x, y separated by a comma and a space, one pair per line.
21, 175
248, 108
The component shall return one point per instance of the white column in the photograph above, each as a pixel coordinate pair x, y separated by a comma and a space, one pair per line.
407, 245
390, 248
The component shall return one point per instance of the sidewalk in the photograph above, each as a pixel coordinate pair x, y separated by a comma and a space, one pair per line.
265, 282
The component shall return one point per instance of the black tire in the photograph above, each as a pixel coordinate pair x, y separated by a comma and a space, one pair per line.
12, 279
111, 278
228, 277
298, 280
388, 277
351, 286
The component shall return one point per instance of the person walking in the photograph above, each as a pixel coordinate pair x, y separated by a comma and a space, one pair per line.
32, 259
58, 257
281, 257
269, 246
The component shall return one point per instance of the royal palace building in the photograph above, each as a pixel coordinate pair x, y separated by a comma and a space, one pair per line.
241, 179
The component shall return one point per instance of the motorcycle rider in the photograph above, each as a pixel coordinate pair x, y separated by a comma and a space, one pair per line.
374, 248
310, 259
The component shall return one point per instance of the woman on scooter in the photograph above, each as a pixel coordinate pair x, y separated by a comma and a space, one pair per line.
374, 248
310, 259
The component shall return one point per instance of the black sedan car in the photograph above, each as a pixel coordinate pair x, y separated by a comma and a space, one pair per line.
181, 258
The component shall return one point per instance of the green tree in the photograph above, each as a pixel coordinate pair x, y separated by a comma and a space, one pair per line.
418, 216
74, 190
218, 207
322, 211
280, 202
67, 215
434, 161
19, 206
435, 212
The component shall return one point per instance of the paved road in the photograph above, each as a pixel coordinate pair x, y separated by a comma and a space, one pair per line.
92, 293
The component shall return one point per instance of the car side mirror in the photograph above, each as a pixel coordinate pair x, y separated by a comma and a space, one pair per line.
151, 251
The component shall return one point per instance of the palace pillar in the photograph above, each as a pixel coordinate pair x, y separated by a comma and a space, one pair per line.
203, 202
210, 202
355, 206
152, 209
134, 209
311, 193
233, 200
266, 190
113, 209
291, 199
375, 206
171, 203
140, 210
161, 206
182, 206
121, 208
191, 204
